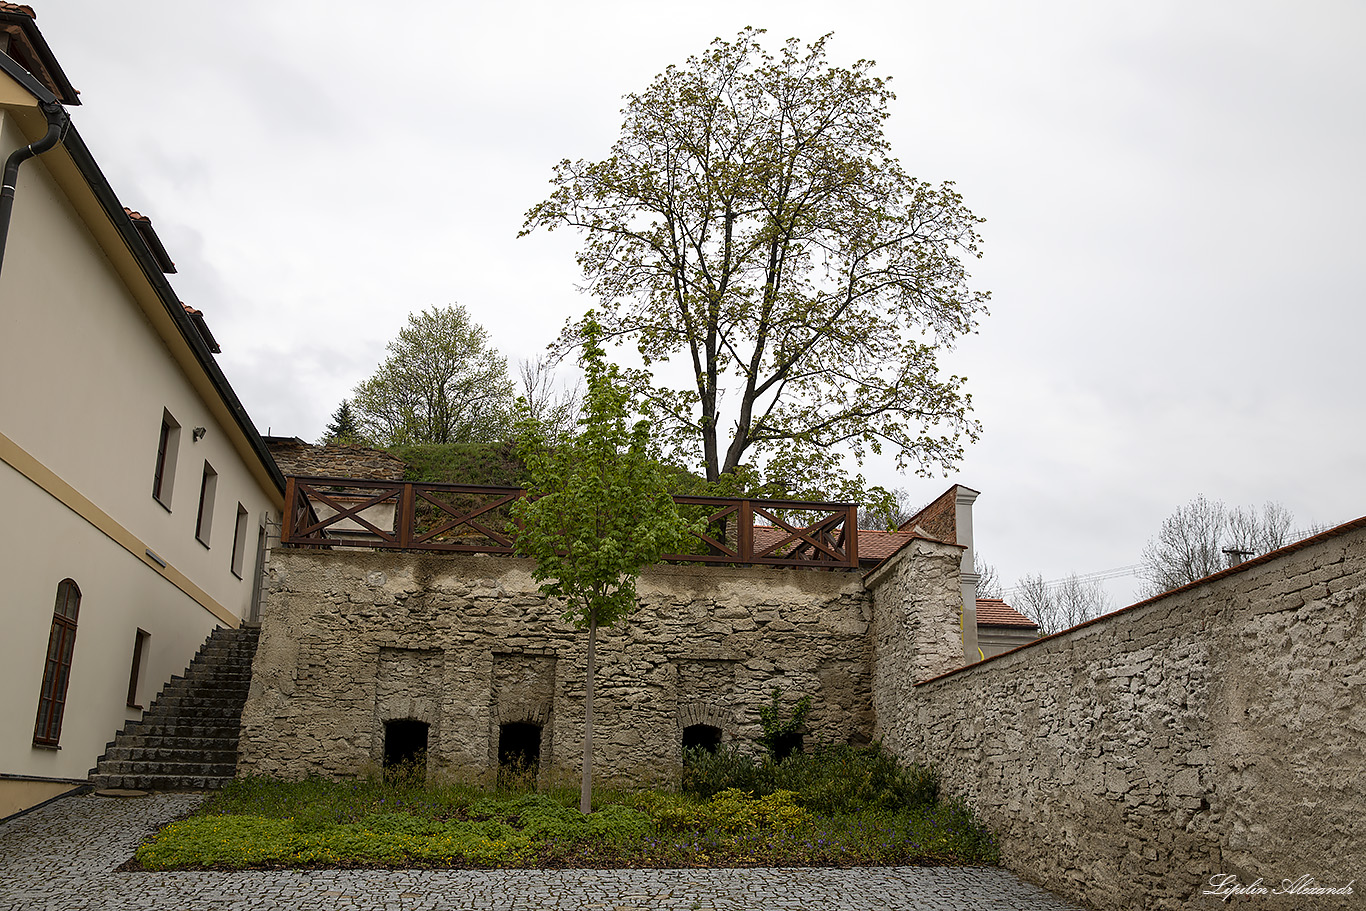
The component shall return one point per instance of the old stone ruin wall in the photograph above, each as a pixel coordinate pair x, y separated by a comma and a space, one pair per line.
357, 647
1219, 730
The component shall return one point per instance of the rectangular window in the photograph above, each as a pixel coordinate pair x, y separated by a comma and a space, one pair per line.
168, 444
239, 541
135, 676
207, 487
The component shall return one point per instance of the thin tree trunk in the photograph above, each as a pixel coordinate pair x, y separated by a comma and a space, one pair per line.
586, 788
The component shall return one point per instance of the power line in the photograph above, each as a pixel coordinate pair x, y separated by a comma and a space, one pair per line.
1099, 575
1132, 569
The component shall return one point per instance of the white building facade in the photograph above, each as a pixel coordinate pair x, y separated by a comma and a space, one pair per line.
137, 494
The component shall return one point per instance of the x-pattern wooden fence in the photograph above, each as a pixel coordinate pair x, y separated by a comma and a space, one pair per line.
457, 518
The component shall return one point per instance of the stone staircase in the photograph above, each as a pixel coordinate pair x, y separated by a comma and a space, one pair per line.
187, 738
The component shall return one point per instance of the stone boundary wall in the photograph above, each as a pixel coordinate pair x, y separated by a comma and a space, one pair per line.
353, 639
1217, 730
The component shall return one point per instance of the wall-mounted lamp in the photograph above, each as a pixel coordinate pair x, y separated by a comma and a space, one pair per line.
198, 433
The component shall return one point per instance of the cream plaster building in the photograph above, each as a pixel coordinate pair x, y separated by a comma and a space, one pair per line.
136, 491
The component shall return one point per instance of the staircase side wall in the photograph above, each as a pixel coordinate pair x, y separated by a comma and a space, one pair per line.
353, 639
1216, 731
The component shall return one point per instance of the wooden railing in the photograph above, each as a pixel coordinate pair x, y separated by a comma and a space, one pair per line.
457, 518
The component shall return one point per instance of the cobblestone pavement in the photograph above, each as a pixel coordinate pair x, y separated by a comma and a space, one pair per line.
62, 858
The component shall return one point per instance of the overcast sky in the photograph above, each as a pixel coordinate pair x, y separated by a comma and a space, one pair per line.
1173, 192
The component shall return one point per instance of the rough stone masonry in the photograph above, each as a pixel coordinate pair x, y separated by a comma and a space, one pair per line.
465, 645
1209, 738
1218, 731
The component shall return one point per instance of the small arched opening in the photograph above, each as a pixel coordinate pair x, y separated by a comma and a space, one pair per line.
519, 748
405, 747
700, 737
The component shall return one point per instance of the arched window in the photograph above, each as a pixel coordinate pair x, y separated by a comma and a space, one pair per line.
700, 737
57, 667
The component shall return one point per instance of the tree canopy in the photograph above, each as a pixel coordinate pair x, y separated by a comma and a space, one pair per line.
441, 383
343, 430
1204, 537
753, 221
597, 512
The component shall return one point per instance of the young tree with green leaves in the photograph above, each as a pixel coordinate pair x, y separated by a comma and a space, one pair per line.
597, 512
753, 222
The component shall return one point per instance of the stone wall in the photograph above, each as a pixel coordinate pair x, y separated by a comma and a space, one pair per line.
296, 457
915, 634
1217, 730
351, 640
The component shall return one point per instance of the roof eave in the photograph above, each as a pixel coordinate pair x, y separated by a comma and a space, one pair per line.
151, 269
66, 92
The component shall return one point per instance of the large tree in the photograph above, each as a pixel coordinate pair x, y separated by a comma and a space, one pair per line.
1204, 537
441, 383
752, 219
597, 512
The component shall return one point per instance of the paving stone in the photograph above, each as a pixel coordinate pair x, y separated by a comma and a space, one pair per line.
62, 857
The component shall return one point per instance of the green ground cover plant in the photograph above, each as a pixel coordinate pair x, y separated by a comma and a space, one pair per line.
838, 806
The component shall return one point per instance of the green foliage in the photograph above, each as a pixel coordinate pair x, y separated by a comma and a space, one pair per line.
597, 512
753, 221
264, 823
598, 508
483, 464
779, 725
733, 812
441, 383
830, 779
343, 430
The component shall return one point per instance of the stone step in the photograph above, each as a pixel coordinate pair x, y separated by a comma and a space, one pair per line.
190, 691
189, 700
176, 754
187, 739
168, 768
158, 730
161, 782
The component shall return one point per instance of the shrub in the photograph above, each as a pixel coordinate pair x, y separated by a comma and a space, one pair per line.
733, 813
831, 779
782, 730
706, 774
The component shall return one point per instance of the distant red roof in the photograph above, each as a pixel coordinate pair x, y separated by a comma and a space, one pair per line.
18, 8
995, 612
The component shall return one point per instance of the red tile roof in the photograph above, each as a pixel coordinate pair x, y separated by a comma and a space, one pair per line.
202, 327
879, 545
995, 612
22, 42
150, 238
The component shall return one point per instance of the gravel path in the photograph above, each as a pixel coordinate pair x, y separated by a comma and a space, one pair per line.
62, 857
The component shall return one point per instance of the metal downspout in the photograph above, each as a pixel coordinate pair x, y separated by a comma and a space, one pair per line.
57, 122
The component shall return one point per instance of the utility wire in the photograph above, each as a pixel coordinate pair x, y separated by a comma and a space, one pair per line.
1132, 569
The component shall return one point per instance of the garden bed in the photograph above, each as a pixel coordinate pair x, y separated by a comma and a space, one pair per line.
835, 807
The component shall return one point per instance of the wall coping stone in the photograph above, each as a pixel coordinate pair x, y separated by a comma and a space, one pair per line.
1336, 531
